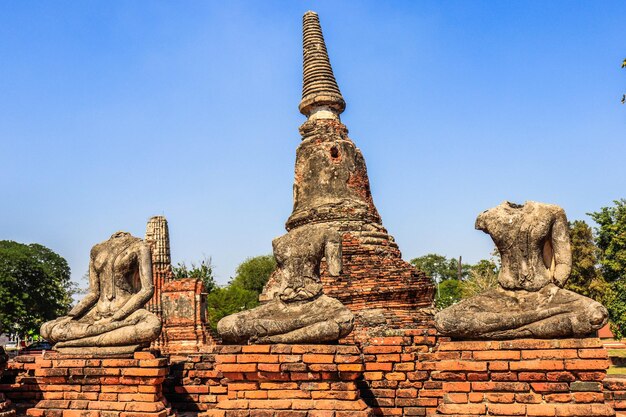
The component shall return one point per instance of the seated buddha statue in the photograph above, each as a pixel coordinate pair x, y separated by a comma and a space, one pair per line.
529, 301
295, 310
111, 319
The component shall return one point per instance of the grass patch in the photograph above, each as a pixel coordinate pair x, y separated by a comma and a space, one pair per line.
616, 370
617, 353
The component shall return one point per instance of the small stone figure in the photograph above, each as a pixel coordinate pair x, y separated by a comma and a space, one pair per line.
297, 310
110, 319
534, 245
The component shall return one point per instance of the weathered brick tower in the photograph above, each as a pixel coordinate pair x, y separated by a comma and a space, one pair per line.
179, 302
331, 186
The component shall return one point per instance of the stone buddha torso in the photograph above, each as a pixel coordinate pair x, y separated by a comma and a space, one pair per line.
526, 237
115, 264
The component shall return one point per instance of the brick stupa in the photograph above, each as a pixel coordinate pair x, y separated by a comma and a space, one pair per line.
331, 186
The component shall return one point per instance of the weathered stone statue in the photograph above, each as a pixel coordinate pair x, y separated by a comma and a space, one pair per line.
297, 310
110, 319
534, 245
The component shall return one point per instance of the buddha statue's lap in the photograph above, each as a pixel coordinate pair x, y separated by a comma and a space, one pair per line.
110, 319
533, 241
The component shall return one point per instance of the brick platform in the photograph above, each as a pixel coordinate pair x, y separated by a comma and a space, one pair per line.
19, 384
290, 381
518, 378
86, 386
406, 373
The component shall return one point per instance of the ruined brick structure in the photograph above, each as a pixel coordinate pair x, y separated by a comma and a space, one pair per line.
331, 186
158, 237
409, 369
179, 302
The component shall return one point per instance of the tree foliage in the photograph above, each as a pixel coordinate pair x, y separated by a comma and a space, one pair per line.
242, 292
440, 268
611, 242
35, 287
448, 293
586, 278
483, 276
445, 273
203, 270
224, 301
611, 239
253, 273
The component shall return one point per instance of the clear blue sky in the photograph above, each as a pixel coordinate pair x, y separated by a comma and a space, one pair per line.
111, 112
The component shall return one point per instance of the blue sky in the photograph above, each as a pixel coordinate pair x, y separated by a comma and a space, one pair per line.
111, 112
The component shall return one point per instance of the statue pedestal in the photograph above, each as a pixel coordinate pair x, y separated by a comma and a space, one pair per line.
290, 380
90, 386
525, 377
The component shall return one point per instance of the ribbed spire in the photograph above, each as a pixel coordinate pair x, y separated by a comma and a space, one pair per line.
158, 235
319, 88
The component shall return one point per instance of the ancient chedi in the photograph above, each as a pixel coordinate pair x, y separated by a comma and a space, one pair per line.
298, 311
534, 245
331, 187
111, 319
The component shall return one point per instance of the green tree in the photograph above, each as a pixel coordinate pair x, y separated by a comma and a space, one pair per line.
440, 268
242, 291
445, 273
203, 270
224, 301
611, 242
483, 276
35, 287
586, 278
448, 293
253, 273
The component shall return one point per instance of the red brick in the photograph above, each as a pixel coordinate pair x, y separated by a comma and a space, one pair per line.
537, 365
507, 409
489, 355
456, 387
504, 397
465, 409
583, 364
452, 365
550, 354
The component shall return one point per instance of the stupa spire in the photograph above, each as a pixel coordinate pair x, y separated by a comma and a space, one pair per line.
321, 97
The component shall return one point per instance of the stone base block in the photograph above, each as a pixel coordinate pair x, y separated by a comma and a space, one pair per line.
290, 381
88, 386
525, 377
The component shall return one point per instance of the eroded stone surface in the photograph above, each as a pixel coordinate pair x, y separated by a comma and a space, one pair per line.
296, 310
534, 245
111, 318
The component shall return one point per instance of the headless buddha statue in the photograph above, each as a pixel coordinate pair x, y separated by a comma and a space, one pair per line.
295, 309
534, 245
110, 319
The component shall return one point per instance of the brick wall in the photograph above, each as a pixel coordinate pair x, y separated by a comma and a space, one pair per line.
19, 383
404, 373
88, 386
519, 378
